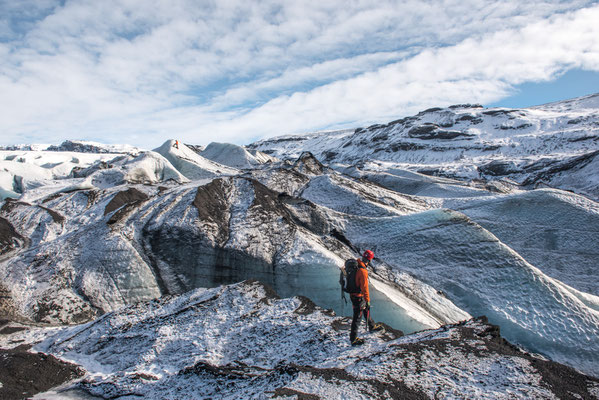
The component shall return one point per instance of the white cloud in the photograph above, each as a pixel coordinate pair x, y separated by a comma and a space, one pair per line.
481, 70
124, 71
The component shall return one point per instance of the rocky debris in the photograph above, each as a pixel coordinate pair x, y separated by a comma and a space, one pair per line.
474, 120
11, 204
79, 172
432, 131
499, 168
281, 179
24, 374
549, 169
506, 126
9, 237
308, 164
242, 227
503, 112
468, 105
78, 147
478, 338
226, 342
268, 203
197, 149
406, 146
56, 217
7, 307
212, 203
62, 308
131, 196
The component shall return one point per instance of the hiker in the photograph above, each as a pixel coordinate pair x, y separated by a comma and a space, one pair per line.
177, 144
361, 300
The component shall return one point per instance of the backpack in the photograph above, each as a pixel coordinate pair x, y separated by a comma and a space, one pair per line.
347, 278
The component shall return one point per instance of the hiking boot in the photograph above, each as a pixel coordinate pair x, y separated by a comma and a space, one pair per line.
357, 342
377, 327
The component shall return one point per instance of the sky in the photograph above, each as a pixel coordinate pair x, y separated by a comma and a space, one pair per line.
140, 73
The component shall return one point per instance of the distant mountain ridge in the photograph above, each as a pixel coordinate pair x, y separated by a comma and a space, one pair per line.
76, 146
531, 146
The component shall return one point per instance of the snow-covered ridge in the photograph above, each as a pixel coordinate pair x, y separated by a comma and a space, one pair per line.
242, 341
555, 144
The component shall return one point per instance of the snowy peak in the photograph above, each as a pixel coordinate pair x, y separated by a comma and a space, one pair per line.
191, 164
235, 156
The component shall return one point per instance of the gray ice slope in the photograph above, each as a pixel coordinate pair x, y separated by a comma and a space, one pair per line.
483, 276
556, 231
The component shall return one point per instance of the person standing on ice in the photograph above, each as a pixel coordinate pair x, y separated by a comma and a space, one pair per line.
360, 298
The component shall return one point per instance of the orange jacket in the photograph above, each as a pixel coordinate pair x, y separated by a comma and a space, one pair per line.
362, 282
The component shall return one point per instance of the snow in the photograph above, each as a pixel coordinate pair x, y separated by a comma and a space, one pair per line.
190, 164
339, 194
33, 175
234, 156
414, 183
226, 342
59, 164
17, 177
152, 167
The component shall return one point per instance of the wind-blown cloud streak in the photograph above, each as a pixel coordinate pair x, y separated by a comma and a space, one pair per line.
121, 71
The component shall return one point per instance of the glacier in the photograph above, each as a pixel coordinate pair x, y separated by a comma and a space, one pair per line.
470, 212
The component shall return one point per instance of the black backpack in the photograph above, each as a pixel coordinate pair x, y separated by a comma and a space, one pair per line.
348, 277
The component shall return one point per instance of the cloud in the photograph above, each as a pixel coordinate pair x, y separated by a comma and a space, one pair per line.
482, 70
232, 70
295, 78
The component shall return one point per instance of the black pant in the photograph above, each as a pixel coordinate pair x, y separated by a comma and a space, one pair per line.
360, 308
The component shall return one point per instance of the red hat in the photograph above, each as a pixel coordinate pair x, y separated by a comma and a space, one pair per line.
369, 255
